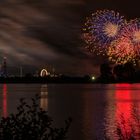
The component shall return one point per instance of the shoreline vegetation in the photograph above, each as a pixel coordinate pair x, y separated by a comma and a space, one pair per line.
31, 122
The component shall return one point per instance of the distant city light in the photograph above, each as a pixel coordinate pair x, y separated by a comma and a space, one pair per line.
93, 78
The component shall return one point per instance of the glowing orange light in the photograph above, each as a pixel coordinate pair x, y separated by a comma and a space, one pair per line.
43, 73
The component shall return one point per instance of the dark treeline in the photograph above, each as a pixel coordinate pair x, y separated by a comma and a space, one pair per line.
119, 73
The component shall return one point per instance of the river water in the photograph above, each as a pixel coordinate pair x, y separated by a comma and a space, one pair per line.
97, 110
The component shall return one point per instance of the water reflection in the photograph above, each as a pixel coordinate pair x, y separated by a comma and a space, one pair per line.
4, 101
123, 116
124, 108
15, 95
93, 108
44, 97
94, 112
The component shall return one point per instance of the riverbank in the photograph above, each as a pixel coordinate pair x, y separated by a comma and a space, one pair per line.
64, 79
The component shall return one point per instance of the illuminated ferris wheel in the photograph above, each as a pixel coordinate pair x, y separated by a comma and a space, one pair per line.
44, 73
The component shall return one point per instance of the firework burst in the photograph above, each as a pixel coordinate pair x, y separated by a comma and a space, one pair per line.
101, 29
132, 32
121, 51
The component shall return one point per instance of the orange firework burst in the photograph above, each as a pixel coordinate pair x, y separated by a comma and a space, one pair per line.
132, 32
121, 51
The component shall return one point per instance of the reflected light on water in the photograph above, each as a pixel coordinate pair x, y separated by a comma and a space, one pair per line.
122, 111
4, 100
97, 109
44, 97
123, 107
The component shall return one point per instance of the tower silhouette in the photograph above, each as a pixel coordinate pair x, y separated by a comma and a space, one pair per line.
4, 67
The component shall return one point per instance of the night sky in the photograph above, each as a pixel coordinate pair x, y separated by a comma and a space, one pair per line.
47, 33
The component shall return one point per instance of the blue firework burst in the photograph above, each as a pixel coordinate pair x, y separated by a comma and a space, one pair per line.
105, 26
